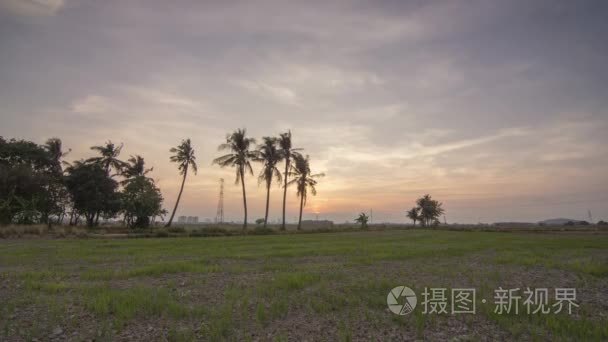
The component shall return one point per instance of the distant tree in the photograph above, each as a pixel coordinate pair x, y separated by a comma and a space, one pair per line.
108, 158
304, 180
240, 158
93, 191
414, 214
430, 210
141, 201
269, 156
184, 156
362, 219
26, 178
54, 147
135, 167
57, 191
602, 223
260, 221
287, 154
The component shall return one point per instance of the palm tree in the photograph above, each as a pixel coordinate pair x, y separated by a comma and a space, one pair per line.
362, 219
136, 167
240, 158
287, 153
430, 210
184, 156
54, 148
304, 179
414, 214
109, 157
269, 155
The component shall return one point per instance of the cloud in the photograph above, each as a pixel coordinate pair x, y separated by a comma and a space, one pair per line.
33, 7
92, 104
278, 92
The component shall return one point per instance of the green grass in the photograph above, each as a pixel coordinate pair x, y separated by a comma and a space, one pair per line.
232, 287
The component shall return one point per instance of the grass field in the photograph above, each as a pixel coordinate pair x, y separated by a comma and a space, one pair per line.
330, 286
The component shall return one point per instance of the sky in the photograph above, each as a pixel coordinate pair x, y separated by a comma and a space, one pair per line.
498, 109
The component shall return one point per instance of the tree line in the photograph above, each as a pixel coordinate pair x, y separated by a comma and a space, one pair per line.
38, 186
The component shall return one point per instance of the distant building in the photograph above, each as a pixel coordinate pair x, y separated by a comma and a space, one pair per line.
182, 219
192, 220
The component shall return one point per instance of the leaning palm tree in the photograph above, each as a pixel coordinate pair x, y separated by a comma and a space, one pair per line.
303, 179
287, 154
109, 157
240, 158
269, 155
184, 156
414, 214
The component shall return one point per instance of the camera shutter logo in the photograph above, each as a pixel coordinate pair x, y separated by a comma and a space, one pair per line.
401, 300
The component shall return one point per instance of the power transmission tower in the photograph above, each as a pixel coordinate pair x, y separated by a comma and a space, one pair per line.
219, 216
589, 215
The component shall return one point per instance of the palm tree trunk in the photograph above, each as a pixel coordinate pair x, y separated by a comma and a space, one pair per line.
244, 197
285, 191
179, 196
301, 207
267, 203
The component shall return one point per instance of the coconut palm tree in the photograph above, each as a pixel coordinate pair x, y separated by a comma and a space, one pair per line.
287, 154
430, 210
240, 158
269, 155
136, 167
362, 219
184, 156
304, 180
414, 214
109, 157
54, 148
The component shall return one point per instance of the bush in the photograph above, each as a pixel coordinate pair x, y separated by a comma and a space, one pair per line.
262, 231
214, 231
176, 229
161, 234
31, 230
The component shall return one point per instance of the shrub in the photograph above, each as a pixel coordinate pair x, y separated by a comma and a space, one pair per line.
262, 231
161, 234
176, 229
214, 231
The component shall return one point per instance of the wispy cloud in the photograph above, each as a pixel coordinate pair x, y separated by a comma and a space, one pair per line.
33, 7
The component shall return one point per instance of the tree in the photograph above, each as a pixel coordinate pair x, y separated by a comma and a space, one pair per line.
57, 190
54, 147
414, 214
304, 180
287, 154
239, 158
269, 156
184, 156
362, 219
93, 191
141, 200
135, 167
108, 158
26, 177
430, 210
